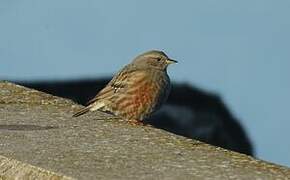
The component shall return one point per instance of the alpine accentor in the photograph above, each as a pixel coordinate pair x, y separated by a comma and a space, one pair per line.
137, 90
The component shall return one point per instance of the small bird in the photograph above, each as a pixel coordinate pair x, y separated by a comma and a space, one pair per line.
138, 90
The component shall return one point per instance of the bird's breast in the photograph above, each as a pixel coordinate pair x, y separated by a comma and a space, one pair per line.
143, 95
148, 92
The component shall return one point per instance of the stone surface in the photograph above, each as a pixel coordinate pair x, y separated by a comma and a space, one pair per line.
12, 169
38, 130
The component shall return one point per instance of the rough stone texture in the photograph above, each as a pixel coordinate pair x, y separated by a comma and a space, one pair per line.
12, 169
38, 130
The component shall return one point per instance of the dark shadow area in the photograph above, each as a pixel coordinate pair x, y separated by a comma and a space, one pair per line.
189, 112
25, 127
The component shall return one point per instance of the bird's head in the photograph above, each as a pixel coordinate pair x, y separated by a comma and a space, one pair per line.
153, 59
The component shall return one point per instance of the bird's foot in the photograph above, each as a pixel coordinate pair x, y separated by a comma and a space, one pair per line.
135, 122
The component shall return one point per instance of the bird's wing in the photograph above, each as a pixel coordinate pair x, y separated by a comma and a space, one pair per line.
119, 82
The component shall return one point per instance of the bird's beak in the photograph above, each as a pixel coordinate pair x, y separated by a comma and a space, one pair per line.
171, 61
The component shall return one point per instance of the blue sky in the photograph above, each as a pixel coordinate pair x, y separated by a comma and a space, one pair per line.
239, 49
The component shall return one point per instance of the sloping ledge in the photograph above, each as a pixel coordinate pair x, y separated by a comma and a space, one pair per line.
12, 169
40, 140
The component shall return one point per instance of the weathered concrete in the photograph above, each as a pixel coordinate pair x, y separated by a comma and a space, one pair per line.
12, 169
37, 129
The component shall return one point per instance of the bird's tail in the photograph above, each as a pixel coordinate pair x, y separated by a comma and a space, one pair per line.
82, 111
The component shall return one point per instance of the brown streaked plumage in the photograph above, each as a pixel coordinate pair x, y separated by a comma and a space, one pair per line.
136, 91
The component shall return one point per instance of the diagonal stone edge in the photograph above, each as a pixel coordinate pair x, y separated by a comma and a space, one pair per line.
13, 169
23, 95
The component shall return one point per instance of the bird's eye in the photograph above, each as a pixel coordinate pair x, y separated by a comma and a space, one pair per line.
158, 59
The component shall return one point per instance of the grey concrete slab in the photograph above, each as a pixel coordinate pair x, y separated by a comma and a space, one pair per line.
37, 129
12, 169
